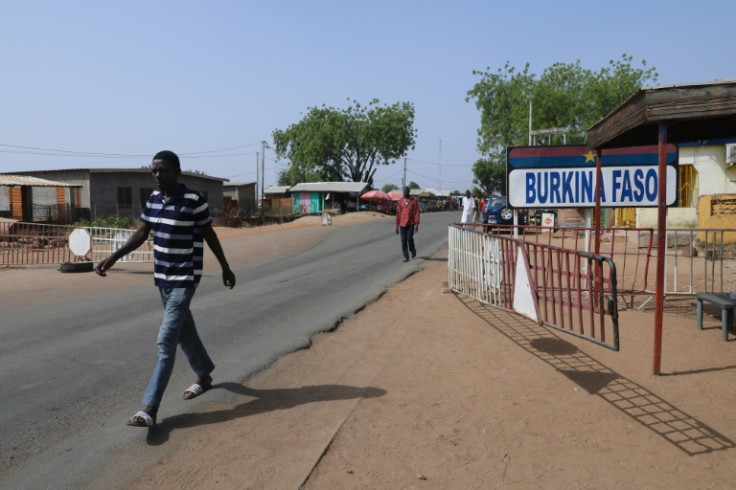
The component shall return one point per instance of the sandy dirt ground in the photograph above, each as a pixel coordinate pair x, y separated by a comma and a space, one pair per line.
428, 389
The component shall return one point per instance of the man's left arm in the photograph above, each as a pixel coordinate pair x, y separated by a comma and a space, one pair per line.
209, 235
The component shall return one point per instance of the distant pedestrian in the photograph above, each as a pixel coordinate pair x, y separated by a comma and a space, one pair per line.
407, 223
180, 220
468, 208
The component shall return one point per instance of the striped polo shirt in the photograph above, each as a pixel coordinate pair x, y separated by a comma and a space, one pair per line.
177, 238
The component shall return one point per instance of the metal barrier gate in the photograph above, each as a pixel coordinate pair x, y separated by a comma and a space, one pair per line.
38, 244
106, 240
571, 290
697, 260
29, 243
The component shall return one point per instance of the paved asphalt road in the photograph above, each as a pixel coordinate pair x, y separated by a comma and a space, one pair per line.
73, 365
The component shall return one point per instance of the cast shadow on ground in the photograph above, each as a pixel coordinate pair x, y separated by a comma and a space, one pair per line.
699, 371
678, 428
260, 401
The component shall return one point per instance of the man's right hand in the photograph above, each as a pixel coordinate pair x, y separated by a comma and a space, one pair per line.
103, 266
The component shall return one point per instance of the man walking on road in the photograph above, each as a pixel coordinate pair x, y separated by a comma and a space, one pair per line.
468, 208
407, 223
179, 218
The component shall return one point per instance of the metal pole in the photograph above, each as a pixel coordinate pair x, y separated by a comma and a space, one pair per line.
263, 170
599, 183
255, 203
661, 245
403, 180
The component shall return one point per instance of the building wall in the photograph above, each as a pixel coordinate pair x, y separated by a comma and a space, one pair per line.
44, 196
676, 218
710, 162
245, 195
713, 179
79, 177
104, 192
4, 201
99, 191
308, 202
718, 211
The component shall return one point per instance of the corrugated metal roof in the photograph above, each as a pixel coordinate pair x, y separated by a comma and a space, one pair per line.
237, 184
691, 112
26, 181
118, 170
277, 189
329, 187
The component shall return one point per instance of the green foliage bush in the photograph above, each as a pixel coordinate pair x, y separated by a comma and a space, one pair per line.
106, 222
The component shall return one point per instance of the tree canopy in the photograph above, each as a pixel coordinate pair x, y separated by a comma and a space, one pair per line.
332, 144
566, 95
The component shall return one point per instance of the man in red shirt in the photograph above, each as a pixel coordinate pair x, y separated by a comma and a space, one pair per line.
407, 223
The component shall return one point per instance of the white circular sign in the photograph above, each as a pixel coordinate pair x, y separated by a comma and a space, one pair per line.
80, 242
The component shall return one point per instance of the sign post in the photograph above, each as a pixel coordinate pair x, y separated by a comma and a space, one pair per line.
551, 177
661, 249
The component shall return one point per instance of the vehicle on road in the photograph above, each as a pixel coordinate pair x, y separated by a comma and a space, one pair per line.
498, 212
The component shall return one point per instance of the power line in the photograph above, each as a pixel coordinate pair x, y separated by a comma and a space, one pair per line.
440, 164
436, 180
55, 152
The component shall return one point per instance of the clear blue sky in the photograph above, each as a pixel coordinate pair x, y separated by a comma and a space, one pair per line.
131, 78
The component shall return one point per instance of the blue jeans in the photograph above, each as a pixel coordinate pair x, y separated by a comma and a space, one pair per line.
407, 239
177, 327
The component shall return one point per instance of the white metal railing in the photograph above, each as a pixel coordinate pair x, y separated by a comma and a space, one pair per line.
699, 260
572, 290
106, 240
475, 265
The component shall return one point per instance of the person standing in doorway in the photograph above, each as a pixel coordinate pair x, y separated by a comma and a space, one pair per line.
180, 220
468, 208
407, 223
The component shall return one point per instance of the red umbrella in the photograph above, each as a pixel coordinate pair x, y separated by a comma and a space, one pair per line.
375, 196
395, 195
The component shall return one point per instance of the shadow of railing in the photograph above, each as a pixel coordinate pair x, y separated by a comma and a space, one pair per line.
656, 414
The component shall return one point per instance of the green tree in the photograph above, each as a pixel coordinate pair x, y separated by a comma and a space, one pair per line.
192, 172
295, 174
389, 187
565, 95
347, 145
490, 176
414, 185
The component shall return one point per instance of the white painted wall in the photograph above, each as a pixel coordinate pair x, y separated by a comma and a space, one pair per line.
4, 198
710, 162
713, 178
676, 218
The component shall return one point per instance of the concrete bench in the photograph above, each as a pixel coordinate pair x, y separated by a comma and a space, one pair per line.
727, 306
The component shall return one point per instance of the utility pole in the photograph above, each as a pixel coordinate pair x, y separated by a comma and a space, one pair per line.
257, 183
403, 180
440, 163
263, 171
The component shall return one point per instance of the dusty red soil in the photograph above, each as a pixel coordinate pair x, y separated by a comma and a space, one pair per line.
427, 389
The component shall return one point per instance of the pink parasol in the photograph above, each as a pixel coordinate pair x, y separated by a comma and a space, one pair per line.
375, 196
395, 195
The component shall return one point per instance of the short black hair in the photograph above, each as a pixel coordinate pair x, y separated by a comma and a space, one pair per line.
168, 157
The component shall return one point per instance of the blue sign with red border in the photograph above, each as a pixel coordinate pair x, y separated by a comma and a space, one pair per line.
565, 176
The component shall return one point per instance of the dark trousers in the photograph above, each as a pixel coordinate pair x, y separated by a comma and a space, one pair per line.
407, 239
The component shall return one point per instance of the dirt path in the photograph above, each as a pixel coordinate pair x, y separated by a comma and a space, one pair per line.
425, 389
